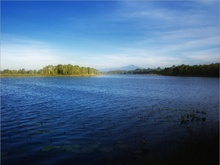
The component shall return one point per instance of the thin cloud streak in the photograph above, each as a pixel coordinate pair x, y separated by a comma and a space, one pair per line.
159, 16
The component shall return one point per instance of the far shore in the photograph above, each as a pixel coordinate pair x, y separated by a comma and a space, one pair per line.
27, 75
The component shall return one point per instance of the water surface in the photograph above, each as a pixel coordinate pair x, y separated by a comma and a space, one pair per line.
92, 120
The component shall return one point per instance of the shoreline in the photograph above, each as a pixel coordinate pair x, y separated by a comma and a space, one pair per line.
94, 75
32, 76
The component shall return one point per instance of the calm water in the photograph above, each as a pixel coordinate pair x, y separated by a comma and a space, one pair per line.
92, 120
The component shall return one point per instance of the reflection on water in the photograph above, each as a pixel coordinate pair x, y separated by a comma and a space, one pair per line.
91, 120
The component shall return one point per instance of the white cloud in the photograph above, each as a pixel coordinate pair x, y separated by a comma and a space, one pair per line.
207, 2
190, 33
190, 46
17, 53
211, 55
141, 58
163, 57
153, 14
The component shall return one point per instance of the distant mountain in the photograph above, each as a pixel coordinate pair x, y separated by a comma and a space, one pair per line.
129, 67
126, 68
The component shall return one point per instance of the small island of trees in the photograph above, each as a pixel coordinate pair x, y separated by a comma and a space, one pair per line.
50, 70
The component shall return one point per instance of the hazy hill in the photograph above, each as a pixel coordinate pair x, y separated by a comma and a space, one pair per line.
125, 68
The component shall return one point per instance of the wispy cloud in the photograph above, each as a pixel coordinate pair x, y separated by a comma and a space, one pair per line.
205, 56
173, 14
144, 33
17, 53
182, 32
191, 32
145, 61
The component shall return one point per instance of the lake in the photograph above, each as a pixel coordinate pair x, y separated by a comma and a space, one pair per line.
103, 119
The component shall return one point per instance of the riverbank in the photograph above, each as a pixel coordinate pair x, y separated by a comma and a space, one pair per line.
38, 75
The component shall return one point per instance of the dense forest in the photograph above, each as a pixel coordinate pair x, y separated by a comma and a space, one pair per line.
211, 70
50, 70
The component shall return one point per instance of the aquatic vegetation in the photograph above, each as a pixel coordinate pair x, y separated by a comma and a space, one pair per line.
38, 124
67, 147
95, 146
167, 120
203, 119
121, 145
57, 147
202, 112
76, 151
183, 121
189, 130
48, 148
106, 149
43, 131
141, 153
68, 142
144, 141
192, 116
76, 146
87, 149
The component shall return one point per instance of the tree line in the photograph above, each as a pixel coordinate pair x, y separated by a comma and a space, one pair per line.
50, 70
211, 70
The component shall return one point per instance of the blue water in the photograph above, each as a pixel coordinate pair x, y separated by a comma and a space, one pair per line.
92, 120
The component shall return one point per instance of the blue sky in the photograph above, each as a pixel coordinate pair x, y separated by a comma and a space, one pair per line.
106, 34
